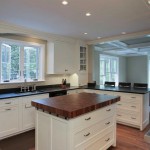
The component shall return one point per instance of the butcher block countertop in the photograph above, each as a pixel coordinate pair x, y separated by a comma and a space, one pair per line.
71, 106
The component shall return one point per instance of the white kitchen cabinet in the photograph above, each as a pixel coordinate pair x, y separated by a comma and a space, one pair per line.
9, 117
17, 115
132, 109
61, 58
92, 131
28, 111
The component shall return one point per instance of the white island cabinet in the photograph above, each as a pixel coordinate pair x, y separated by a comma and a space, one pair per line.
95, 130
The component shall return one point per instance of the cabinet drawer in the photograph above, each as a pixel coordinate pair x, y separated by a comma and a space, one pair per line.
86, 134
131, 97
99, 142
91, 118
129, 106
8, 102
102, 143
128, 117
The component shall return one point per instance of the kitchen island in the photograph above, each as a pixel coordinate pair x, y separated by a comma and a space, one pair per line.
76, 122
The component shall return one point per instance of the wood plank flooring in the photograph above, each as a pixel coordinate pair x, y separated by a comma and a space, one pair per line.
128, 138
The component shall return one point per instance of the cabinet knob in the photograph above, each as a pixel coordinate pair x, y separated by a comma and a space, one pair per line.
107, 123
108, 109
133, 106
8, 103
87, 134
28, 106
107, 140
8, 109
88, 118
119, 104
133, 118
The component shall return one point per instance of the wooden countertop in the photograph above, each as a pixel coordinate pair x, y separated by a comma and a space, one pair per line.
70, 106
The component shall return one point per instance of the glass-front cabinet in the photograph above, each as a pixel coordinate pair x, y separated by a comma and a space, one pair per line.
83, 53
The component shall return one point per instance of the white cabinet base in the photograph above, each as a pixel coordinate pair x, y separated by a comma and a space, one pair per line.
54, 133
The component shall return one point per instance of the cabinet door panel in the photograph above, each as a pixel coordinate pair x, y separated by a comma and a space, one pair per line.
9, 120
29, 110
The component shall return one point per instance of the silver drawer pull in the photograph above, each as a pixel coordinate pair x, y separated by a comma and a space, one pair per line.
107, 140
133, 97
28, 106
119, 115
8, 103
8, 109
108, 109
133, 118
87, 134
107, 123
88, 118
133, 106
119, 104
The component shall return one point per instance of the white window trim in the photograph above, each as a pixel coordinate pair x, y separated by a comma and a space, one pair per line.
24, 43
114, 57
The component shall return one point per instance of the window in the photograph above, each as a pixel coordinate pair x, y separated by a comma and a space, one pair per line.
21, 61
108, 69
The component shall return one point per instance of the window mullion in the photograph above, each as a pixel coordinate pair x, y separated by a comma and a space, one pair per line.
22, 63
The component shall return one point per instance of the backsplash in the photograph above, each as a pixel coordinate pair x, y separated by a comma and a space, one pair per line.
49, 80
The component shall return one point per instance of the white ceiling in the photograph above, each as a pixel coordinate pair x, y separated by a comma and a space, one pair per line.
109, 17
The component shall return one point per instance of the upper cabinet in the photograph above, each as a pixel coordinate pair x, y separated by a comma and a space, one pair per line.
61, 58
83, 58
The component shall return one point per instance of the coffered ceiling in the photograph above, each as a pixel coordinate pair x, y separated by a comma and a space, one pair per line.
108, 17
131, 47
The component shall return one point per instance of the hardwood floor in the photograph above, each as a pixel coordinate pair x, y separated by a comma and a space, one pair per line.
24, 141
128, 138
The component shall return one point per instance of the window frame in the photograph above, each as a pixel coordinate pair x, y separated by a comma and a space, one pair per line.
23, 44
110, 58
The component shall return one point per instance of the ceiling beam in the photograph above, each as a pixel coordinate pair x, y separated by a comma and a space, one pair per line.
119, 37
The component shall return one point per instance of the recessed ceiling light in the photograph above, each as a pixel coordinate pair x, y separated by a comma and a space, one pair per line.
64, 2
148, 1
99, 37
88, 14
123, 33
85, 33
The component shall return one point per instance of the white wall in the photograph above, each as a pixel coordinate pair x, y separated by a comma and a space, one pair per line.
94, 66
137, 69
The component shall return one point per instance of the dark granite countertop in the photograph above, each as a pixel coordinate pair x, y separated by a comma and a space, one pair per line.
120, 89
54, 89
70, 106
40, 91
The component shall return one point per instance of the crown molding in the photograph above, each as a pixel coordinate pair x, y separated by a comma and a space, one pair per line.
6, 27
